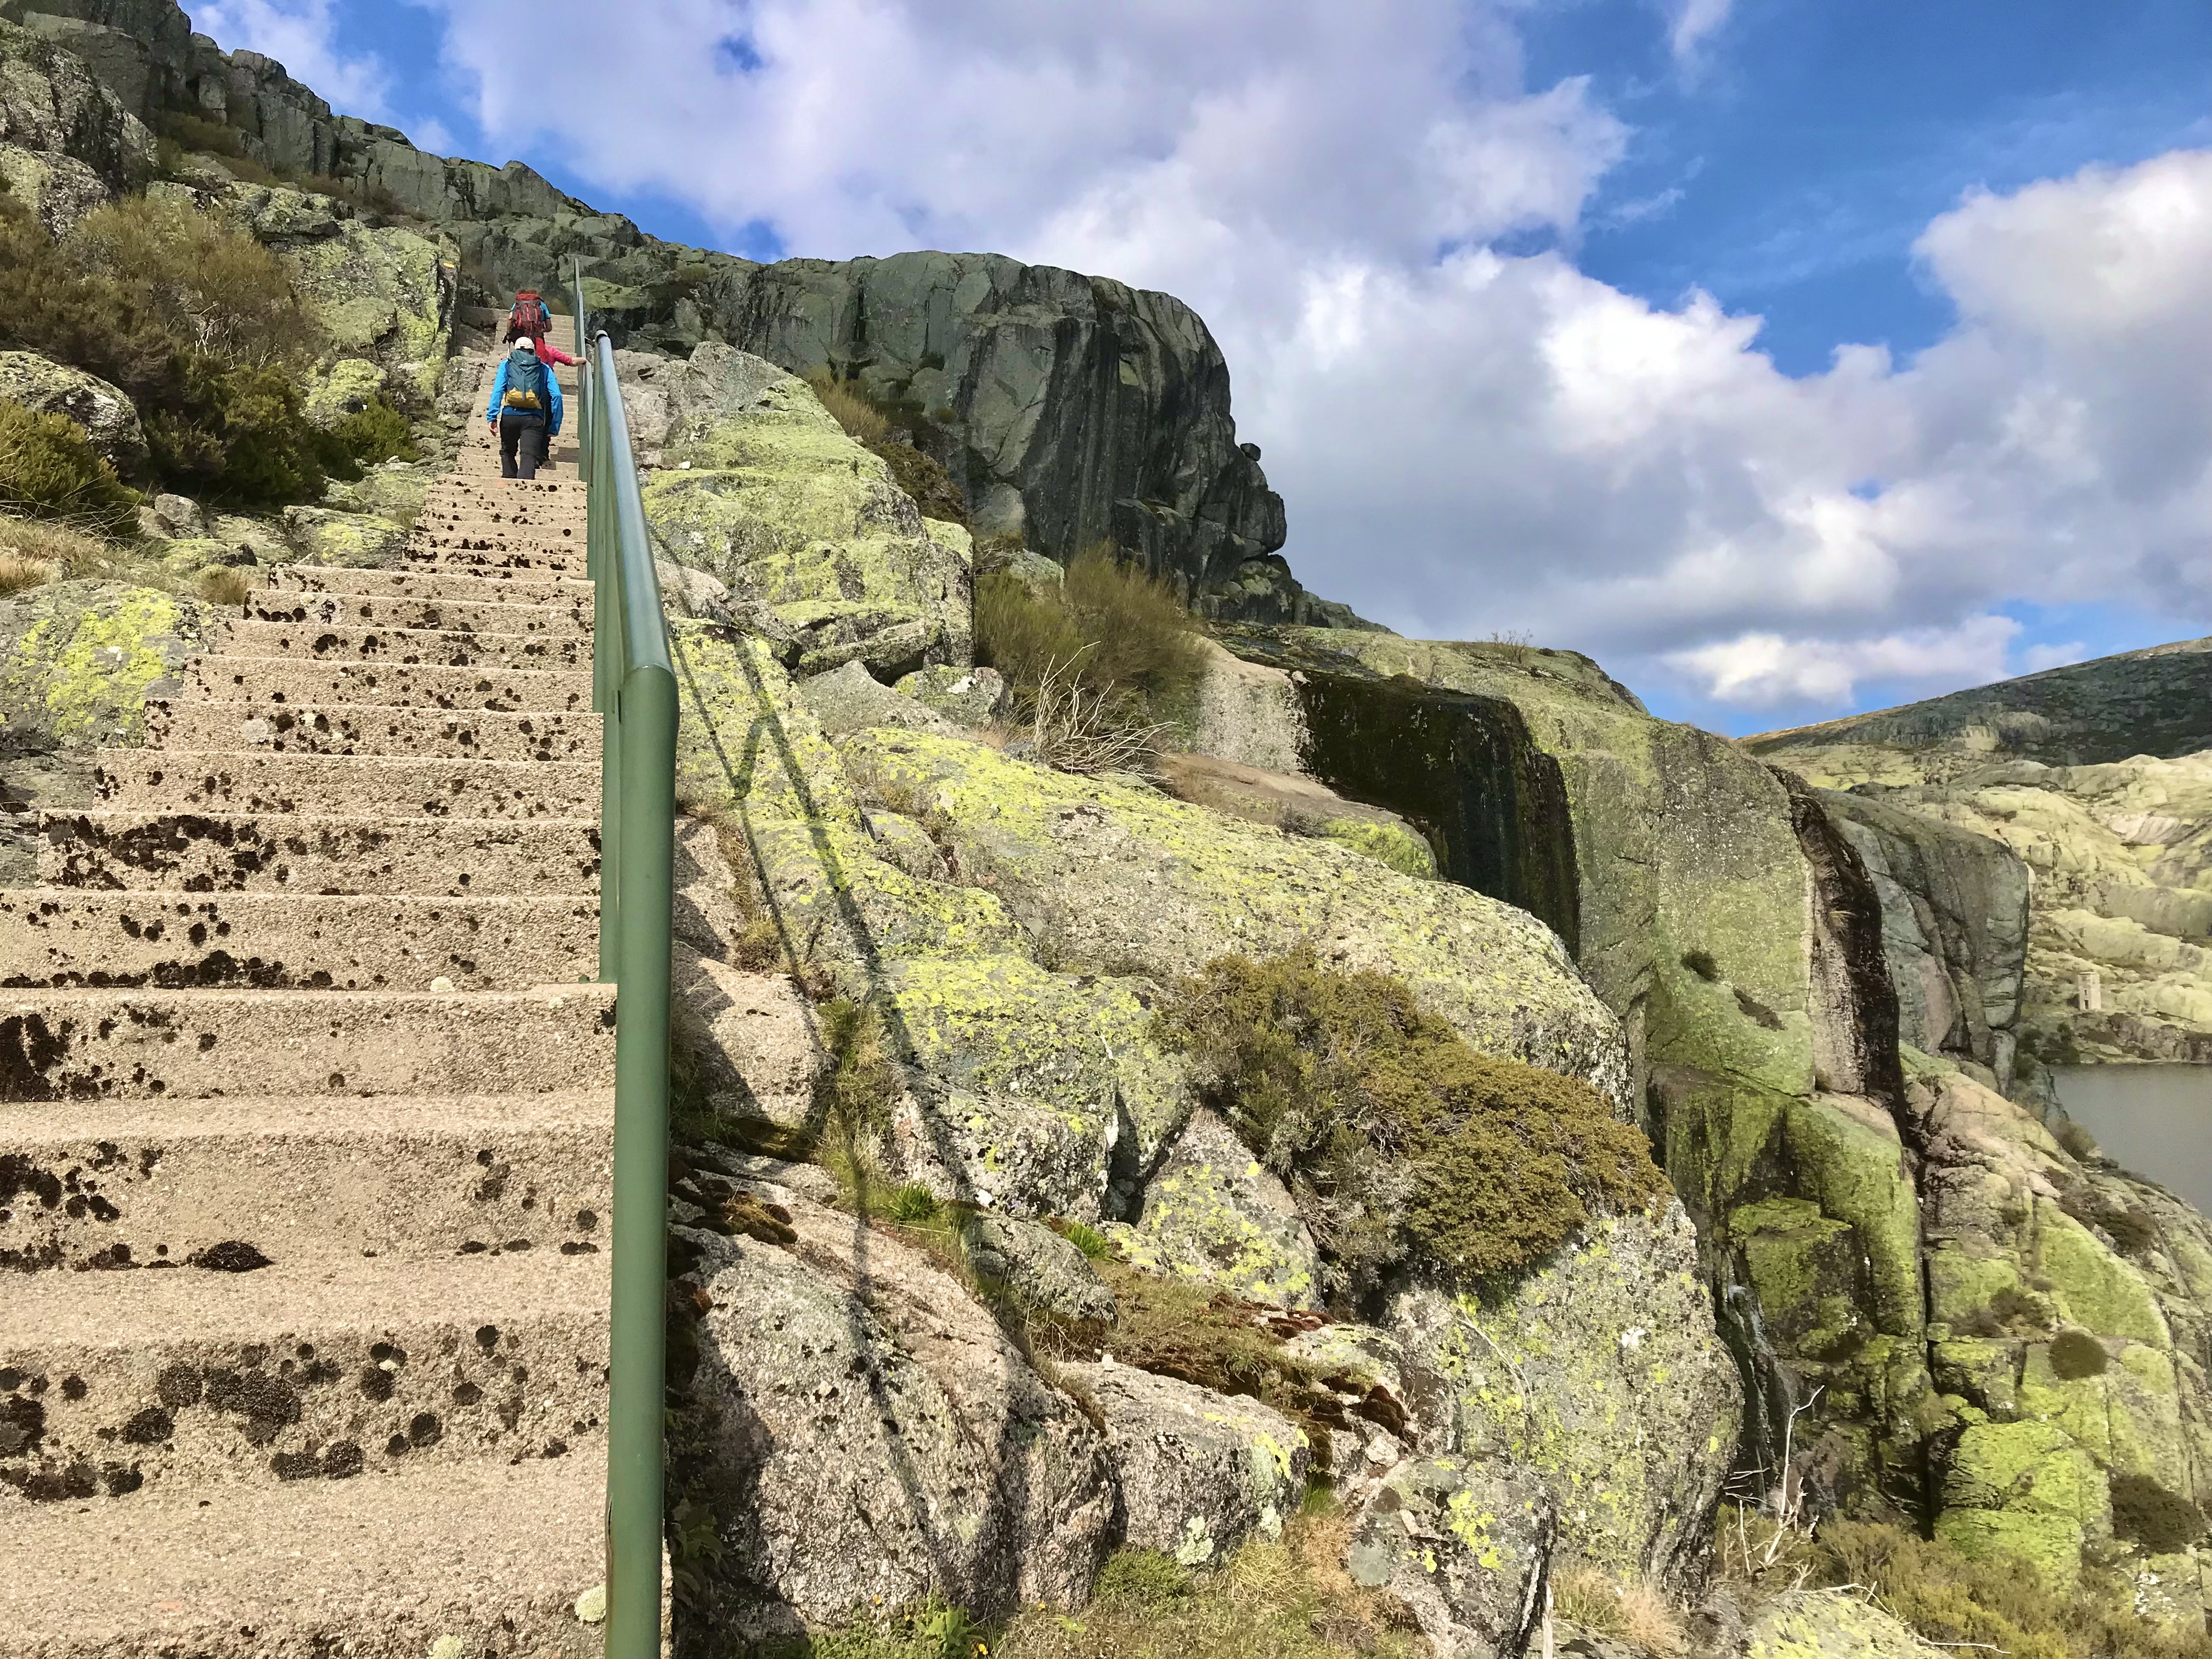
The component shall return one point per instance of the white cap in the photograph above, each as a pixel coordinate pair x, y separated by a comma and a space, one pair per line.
522, 342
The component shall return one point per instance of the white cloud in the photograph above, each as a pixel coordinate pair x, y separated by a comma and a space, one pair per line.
1690, 23
1469, 440
1763, 670
302, 35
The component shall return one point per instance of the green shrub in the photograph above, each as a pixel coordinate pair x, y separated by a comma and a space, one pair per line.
1954, 1600
1396, 1137
913, 1204
2077, 1354
240, 438
213, 288
49, 470
1091, 1243
2074, 1137
367, 436
1104, 664
1140, 1578
2146, 1513
193, 319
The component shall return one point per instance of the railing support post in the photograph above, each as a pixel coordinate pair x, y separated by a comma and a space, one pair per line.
647, 718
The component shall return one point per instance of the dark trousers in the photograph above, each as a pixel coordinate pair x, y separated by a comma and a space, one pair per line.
522, 442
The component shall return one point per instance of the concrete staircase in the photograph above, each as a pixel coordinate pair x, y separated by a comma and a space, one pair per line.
306, 1111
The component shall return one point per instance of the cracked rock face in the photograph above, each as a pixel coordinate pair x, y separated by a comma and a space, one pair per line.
1465, 1547
862, 1430
1198, 1471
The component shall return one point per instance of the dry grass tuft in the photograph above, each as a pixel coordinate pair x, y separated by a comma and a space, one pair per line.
220, 585
68, 550
863, 422
1635, 1613
18, 573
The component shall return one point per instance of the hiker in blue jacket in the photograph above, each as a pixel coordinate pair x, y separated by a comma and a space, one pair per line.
524, 411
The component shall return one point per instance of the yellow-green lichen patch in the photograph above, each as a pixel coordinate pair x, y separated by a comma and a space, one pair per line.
778, 503
2093, 1286
2025, 1489
1212, 1214
82, 659
1603, 1374
742, 736
1120, 879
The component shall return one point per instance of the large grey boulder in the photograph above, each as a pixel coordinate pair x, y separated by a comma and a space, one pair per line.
1466, 1545
1954, 921
850, 698
52, 106
1070, 409
1602, 1375
1198, 1471
1211, 1212
105, 413
857, 1432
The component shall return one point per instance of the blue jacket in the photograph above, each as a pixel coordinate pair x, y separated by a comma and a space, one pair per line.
499, 391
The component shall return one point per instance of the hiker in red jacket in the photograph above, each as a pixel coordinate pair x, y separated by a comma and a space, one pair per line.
532, 319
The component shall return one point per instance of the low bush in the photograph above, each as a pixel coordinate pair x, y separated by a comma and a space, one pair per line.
1950, 1599
49, 470
367, 438
2077, 1354
1634, 1611
191, 317
1396, 1137
224, 586
65, 550
919, 474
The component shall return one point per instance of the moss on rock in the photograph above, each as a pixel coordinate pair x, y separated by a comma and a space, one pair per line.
82, 660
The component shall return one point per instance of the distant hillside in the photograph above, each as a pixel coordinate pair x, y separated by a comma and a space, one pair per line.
2155, 703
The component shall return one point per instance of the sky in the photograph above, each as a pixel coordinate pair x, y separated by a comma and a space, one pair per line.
1790, 359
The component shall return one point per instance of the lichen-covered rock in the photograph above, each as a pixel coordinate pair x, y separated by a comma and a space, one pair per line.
50, 104
1249, 712
108, 417
79, 660
393, 492
1198, 1472
1038, 1267
850, 698
1121, 879
320, 535
1465, 1545
967, 696
384, 294
251, 541
861, 1435
343, 388
59, 189
1601, 1374
775, 501
1211, 1214
1831, 1625
1954, 908
1735, 933
2025, 1490
1299, 807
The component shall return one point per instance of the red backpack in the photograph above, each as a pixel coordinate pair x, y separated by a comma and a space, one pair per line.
529, 316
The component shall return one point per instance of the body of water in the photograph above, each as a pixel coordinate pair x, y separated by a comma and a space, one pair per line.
2155, 1120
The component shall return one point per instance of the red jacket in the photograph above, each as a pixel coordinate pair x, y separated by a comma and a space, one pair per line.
548, 353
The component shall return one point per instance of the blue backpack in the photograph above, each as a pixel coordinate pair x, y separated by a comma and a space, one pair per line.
526, 383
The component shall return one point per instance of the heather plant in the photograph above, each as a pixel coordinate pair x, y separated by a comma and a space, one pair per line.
1398, 1141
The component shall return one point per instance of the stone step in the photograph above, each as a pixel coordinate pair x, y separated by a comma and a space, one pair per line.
491, 1556
413, 615
61, 936
192, 1045
164, 1181
226, 852
312, 641
267, 680
371, 729
311, 1368
247, 782
481, 553
485, 587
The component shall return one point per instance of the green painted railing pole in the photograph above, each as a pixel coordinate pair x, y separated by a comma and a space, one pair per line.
634, 1453
634, 689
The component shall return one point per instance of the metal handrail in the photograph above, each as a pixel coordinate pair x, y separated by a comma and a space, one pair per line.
634, 689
